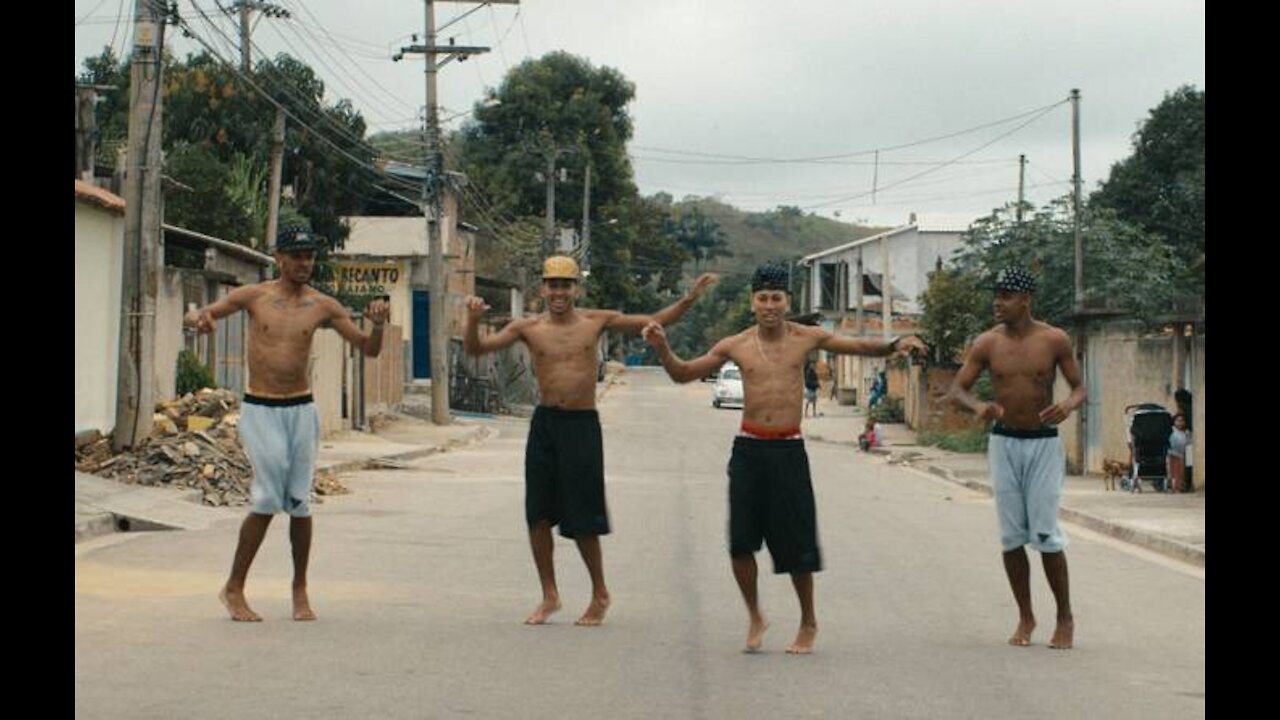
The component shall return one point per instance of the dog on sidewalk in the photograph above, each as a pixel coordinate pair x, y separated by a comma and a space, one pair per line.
1113, 470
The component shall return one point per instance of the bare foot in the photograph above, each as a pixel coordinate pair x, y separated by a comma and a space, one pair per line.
234, 602
301, 605
544, 611
1022, 636
595, 612
1063, 635
803, 644
755, 634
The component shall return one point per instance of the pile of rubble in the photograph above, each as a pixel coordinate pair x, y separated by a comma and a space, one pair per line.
193, 444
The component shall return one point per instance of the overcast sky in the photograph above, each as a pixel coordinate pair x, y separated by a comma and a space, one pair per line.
748, 81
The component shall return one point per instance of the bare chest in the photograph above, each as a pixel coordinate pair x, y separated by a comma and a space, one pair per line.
553, 343
765, 363
286, 319
1030, 359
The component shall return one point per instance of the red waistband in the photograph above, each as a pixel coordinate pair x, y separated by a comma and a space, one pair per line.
763, 432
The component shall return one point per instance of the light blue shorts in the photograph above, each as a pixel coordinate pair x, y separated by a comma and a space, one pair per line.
1027, 477
281, 438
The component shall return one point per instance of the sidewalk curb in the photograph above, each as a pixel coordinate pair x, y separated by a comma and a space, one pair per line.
481, 432
1143, 538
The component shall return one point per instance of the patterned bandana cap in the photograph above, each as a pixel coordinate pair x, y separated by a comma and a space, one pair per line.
297, 237
1015, 280
770, 277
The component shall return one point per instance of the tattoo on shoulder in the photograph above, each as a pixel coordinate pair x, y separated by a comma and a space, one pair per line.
283, 304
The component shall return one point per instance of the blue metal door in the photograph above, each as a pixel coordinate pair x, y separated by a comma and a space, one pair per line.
421, 334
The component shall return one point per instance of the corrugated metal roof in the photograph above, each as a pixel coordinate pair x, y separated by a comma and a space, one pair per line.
925, 223
945, 222
857, 243
231, 248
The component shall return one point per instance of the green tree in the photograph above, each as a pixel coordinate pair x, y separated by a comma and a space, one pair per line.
563, 105
207, 106
199, 198
1125, 269
404, 146
724, 310
1160, 187
560, 105
106, 70
635, 267
246, 193
782, 222
955, 310
699, 235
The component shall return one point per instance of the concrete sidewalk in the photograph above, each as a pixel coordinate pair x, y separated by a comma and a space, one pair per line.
105, 506
1170, 524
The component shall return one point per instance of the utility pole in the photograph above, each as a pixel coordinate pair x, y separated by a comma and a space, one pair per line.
1022, 170
273, 183
246, 53
86, 129
1075, 198
246, 8
551, 152
546, 146
586, 218
886, 291
875, 178
135, 395
433, 209
549, 226
857, 298
1078, 459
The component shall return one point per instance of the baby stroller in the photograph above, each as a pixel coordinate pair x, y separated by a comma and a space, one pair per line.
1149, 428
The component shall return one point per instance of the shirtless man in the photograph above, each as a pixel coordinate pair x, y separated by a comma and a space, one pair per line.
770, 495
1024, 453
278, 426
564, 457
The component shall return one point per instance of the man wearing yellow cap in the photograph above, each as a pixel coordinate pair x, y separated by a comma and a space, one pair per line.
564, 457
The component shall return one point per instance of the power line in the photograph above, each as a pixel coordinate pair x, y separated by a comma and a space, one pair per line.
466, 24
493, 16
836, 163
339, 75
528, 51
287, 88
87, 15
234, 68
898, 202
841, 193
1003, 121
355, 43
461, 17
116, 30
372, 79
1044, 174
959, 157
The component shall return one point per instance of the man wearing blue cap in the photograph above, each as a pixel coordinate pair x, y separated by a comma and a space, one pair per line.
770, 493
278, 426
1024, 452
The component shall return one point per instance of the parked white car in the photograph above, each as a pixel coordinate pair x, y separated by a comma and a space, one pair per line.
728, 390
